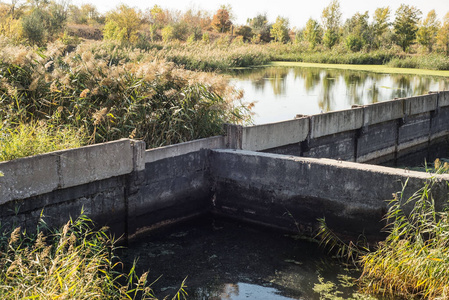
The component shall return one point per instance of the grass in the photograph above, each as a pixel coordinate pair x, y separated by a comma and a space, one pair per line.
75, 262
34, 138
110, 92
366, 68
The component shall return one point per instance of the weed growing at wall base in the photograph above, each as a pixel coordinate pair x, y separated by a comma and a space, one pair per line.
75, 262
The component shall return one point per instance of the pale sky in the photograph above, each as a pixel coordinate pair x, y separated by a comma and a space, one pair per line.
298, 12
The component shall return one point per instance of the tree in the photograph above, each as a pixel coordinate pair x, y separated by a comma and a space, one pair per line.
331, 18
33, 28
406, 25
443, 34
122, 24
357, 31
245, 32
380, 25
260, 27
427, 30
279, 30
221, 21
312, 33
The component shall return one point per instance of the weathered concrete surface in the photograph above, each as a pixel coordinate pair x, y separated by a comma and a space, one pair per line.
170, 188
32, 176
280, 190
261, 137
216, 142
378, 142
336, 122
382, 112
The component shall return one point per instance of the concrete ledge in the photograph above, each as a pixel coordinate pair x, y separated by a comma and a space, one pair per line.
35, 175
383, 111
420, 104
273, 135
334, 122
156, 154
443, 99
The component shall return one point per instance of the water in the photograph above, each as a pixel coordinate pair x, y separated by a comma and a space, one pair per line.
224, 259
280, 93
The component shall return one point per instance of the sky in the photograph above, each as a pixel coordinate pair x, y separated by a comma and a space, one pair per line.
297, 11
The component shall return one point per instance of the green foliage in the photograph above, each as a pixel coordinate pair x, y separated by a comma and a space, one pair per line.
122, 24
167, 33
313, 33
358, 32
33, 28
331, 17
443, 34
245, 32
428, 29
279, 30
406, 25
380, 26
75, 262
31, 139
429, 61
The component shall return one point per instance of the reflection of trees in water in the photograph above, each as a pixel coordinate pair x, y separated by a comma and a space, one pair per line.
361, 87
402, 86
373, 93
277, 76
311, 77
217, 290
325, 100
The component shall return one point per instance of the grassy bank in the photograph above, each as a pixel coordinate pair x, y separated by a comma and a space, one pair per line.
366, 68
108, 91
75, 262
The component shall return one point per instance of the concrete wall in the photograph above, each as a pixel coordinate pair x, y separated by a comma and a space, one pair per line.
399, 131
131, 189
280, 190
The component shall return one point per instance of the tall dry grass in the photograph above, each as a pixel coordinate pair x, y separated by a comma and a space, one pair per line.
75, 262
112, 92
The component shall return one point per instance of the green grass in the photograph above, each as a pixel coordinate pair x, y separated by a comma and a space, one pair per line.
75, 262
367, 68
34, 138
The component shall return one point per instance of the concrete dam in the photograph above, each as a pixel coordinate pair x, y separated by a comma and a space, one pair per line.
333, 165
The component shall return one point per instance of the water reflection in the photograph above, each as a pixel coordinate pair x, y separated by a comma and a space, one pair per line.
283, 92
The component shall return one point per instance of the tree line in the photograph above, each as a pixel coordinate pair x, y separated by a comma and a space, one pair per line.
40, 21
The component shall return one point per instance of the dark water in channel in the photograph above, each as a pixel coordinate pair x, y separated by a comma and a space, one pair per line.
225, 259
282, 92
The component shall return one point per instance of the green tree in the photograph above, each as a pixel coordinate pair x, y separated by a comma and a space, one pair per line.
279, 30
357, 31
260, 27
221, 21
443, 34
122, 24
33, 28
313, 33
331, 17
406, 25
428, 30
380, 26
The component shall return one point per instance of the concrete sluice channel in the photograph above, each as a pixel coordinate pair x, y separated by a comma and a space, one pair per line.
320, 166
224, 258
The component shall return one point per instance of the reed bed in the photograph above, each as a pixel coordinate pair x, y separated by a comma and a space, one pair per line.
75, 262
111, 92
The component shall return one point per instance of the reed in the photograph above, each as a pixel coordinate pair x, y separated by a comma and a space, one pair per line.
75, 262
413, 260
